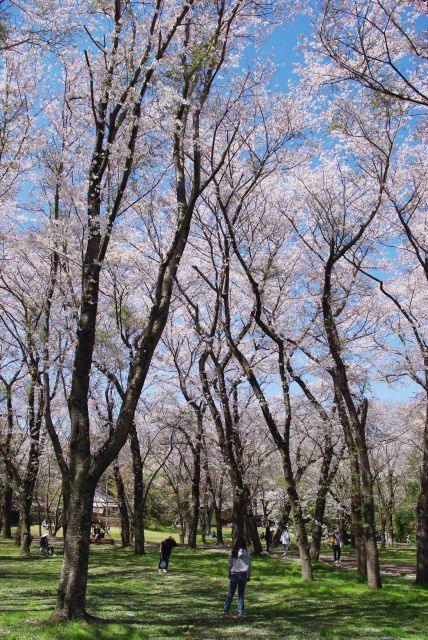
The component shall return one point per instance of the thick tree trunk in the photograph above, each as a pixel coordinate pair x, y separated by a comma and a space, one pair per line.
252, 527
238, 512
71, 603
123, 509
8, 491
356, 493
320, 503
353, 421
219, 525
316, 539
422, 517
28, 484
196, 481
357, 530
369, 525
298, 520
6, 508
300, 533
137, 468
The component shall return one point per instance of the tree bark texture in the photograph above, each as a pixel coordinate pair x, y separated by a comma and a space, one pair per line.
422, 516
351, 417
74, 575
125, 532
27, 488
137, 469
6, 508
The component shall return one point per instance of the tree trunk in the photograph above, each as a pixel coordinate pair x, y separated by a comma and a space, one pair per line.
316, 540
219, 525
238, 511
422, 517
356, 495
137, 468
252, 526
74, 574
298, 521
357, 529
123, 509
320, 503
382, 532
196, 481
6, 530
25, 528
29, 481
299, 530
369, 525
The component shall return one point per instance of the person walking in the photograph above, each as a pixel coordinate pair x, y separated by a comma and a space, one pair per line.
337, 545
165, 553
239, 563
268, 538
285, 540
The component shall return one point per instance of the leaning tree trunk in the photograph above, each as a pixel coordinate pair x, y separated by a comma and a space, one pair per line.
123, 509
74, 574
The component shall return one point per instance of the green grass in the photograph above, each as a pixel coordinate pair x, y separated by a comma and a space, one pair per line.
155, 535
135, 602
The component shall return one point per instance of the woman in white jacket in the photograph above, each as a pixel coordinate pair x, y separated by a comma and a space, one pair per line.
285, 540
239, 574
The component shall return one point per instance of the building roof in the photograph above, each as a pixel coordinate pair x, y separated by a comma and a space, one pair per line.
103, 500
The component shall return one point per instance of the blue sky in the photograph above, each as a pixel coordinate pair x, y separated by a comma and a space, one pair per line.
282, 48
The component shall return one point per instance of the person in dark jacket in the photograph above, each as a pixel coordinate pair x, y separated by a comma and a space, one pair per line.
239, 573
165, 552
268, 538
46, 549
337, 545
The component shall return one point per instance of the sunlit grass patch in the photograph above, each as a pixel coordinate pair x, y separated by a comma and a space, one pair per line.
135, 601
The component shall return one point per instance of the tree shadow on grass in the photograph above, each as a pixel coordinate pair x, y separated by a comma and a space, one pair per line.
135, 601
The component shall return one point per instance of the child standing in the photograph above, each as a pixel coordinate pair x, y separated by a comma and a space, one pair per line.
239, 573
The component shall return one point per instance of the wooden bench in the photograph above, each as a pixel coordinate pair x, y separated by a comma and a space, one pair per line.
101, 541
51, 539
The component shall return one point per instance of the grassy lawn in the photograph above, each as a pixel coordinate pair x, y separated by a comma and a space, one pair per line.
135, 602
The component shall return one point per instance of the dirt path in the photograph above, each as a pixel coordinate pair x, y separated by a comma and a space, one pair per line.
393, 569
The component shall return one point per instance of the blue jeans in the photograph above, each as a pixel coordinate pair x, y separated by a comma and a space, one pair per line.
236, 580
164, 560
